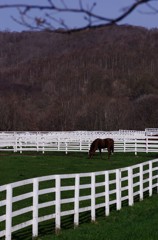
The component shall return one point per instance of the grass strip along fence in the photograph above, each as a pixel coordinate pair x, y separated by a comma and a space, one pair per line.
29, 202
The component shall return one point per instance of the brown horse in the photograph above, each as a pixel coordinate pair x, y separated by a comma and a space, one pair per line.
99, 144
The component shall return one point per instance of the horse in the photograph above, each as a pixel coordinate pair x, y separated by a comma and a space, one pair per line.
99, 144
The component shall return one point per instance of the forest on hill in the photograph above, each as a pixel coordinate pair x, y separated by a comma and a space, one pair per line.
97, 79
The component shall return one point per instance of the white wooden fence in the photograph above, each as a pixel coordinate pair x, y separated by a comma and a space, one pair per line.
27, 203
125, 141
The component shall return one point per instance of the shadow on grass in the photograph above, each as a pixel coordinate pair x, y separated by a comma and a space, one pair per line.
67, 222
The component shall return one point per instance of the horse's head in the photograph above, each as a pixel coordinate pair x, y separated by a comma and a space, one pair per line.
93, 148
90, 154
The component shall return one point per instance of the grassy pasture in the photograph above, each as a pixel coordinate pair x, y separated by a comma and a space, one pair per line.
129, 222
15, 166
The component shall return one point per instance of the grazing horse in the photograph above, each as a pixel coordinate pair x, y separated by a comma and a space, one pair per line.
99, 144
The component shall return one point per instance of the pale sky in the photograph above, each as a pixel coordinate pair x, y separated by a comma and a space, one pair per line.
109, 8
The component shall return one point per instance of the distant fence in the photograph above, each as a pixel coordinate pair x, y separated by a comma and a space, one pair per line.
78, 141
30, 202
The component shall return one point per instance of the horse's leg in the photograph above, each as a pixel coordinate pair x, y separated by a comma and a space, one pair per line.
109, 152
91, 154
112, 149
100, 153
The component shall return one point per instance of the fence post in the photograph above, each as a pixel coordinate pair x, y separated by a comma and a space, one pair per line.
35, 207
89, 144
146, 144
58, 144
15, 145
150, 179
37, 146
92, 196
43, 146
157, 175
9, 212
130, 185
57, 205
66, 149
76, 204
80, 144
20, 145
141, 181
107, 208
135, 146
118, 189
124, 147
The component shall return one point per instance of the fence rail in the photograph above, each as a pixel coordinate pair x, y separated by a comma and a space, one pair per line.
29, 202
125, 141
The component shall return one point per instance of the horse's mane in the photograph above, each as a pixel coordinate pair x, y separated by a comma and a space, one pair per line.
93, 144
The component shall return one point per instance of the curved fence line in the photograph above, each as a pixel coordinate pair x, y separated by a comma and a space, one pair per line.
79, 141
29, 202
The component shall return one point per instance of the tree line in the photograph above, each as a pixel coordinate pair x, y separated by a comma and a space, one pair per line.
96, 79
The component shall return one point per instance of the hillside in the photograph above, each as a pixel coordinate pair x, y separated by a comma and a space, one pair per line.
98, 79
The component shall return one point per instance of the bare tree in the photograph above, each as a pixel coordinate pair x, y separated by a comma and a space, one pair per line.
52, 14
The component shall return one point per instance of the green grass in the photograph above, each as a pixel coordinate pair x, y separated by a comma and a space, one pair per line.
130, 223
15, 167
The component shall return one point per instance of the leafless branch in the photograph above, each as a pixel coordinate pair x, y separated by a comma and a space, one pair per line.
51, 10
152, 9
